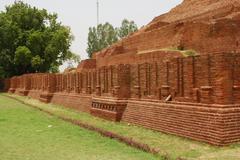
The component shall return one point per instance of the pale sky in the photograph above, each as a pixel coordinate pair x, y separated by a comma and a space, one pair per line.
82, 14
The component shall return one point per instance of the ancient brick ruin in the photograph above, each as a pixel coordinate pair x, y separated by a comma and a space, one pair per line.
142, 80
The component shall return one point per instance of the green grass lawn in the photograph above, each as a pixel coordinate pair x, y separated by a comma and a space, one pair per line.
28, 134
170, 145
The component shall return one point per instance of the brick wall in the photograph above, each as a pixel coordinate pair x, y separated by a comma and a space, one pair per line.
202, 79
206, 123
79, 102
144, 78
195, 97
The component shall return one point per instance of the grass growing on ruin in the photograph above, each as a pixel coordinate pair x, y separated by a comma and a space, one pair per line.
170, 145
185, 53
28, 134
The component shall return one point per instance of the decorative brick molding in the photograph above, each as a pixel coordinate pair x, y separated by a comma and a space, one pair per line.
110, 109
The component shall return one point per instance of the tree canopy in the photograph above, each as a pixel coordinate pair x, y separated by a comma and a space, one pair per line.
102, 36
127, 28
32, 40
105, 35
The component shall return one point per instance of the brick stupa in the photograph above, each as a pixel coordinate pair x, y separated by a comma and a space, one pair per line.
206, 26
149, 78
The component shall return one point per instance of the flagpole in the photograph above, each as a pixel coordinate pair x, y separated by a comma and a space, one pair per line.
97, 12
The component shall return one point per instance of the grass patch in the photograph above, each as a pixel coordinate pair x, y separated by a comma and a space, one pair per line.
185, 53
28, 134
170, 145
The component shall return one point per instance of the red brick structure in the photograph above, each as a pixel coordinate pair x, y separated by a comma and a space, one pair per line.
140, 80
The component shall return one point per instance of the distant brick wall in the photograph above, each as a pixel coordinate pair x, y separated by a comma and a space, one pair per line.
195, 97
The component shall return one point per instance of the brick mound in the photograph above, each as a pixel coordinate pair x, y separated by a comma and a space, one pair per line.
206, 26
145, 80
204, 10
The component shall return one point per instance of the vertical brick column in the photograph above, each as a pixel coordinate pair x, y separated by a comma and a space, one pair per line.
206, 92
51, 83
76, 83
98, 87
94, 81
138, 89
68, 83
63, 82
26, 85
123, 82
80, 81
164, 91
89, 82
49, 87
222, 79
236, 77
13, 82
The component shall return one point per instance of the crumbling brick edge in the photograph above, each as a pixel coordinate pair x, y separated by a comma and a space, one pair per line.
126, 140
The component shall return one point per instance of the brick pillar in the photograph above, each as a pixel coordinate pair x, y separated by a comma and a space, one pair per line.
59, 82
49, 88
80, 82
26, 85
98, 87
135, 69
12, 85
68, 83
76, 82
51, 83
221, 77
164, 91
236, 77
123, 87
89, 83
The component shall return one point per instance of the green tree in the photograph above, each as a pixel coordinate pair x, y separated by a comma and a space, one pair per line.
127, 28
101, 37
32, 40
22, 58
105, 35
